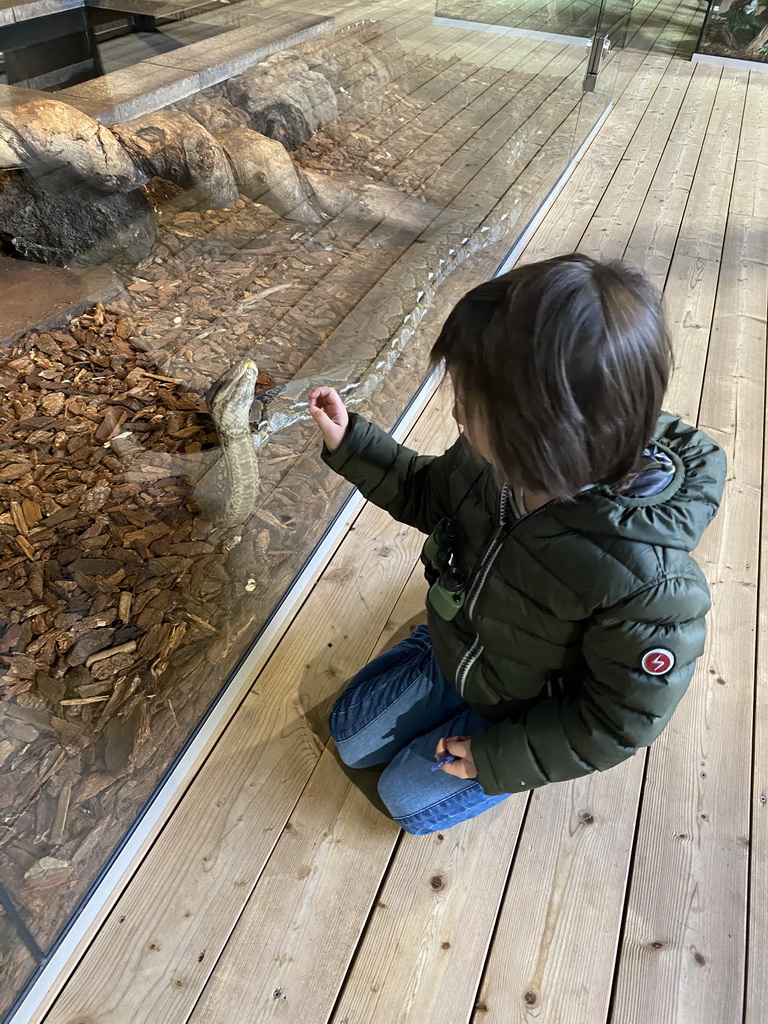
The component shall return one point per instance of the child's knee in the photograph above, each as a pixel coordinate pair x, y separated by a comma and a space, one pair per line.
403, 804
352, 759
349, 748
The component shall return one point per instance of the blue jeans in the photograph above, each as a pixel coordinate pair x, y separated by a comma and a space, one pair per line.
395, 710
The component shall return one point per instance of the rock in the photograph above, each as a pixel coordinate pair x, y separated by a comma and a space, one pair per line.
284, 99
48, 220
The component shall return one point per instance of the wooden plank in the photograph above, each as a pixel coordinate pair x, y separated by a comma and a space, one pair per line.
315, 895
573, 209
198, 876
749, 192
700, 233
460, 113
689, 301
495, 177
422, 955
574, 18
330, 859
555, 946
653, 238
750, 180
683, 953
689, 37
611, 226
478, 174
651, 21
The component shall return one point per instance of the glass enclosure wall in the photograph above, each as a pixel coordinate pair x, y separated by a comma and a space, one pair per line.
206, 208
736, 28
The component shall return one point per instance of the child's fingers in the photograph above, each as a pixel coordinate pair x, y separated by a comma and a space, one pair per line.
318, 414
324, 395
458, 745
327, 400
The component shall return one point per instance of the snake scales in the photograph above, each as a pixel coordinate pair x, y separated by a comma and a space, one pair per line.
230, 398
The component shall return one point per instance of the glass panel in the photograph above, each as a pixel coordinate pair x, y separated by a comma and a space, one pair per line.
16, 963
573, 19
736, 28
293, 200
612, 22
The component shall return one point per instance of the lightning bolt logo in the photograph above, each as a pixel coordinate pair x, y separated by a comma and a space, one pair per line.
658, 662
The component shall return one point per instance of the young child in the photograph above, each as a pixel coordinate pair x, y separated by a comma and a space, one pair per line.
565, 613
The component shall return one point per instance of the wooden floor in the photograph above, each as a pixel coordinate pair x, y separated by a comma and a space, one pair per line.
278, 891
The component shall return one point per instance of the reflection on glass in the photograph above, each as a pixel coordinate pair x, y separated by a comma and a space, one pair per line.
75, 44
573, 18
187, 245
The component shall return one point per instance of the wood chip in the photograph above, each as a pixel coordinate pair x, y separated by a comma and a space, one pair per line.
124, 606
25, 547
72, 702
112, 422
165, 380
58, 829
19, 520
14, 471
31, 511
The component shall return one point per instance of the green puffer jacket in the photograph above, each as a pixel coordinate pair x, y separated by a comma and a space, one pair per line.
582, 621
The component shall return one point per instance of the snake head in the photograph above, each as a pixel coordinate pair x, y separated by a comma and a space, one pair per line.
233, 389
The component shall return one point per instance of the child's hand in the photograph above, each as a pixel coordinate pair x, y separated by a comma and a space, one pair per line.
330, 414
464, 766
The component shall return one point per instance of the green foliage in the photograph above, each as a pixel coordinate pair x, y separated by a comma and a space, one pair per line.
745, 26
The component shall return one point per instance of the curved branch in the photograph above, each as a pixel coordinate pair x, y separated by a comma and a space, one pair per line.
174, 146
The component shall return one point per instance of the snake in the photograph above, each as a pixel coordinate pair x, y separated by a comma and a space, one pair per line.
231, 397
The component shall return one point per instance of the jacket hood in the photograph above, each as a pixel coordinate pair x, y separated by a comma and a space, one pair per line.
677, 516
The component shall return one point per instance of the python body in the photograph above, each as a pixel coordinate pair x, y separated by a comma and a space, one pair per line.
231, 396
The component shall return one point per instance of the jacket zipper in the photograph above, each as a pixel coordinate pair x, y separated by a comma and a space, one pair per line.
497, 540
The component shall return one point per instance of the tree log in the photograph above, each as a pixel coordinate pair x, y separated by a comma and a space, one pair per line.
50, 134
265, 173
74, 226
284, 99
755, 48
174, 146
57, 157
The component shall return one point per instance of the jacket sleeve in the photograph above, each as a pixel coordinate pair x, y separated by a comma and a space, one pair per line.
615, 707
412, 488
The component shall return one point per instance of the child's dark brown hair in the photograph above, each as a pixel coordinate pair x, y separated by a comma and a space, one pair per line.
563, 364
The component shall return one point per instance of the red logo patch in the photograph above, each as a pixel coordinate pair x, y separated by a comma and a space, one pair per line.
658, 662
